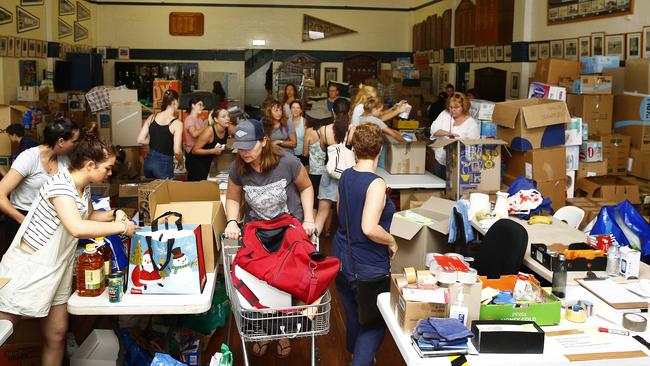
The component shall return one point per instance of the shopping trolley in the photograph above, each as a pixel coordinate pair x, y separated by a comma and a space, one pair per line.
274, 323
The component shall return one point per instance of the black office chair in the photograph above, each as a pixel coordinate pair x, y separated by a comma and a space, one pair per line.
502, 250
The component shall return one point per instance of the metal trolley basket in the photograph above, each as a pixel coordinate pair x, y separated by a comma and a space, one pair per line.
274, 323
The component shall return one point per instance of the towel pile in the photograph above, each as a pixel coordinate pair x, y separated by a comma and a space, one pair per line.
441, 332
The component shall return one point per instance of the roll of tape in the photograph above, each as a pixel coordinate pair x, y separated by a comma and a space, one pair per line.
446, 277
410, 274
401, 282
467, 278
634, 322
576, 314
426, 278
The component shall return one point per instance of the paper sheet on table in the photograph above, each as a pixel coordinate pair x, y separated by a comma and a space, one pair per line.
590, 341
613, 293
507, 328
416, 218
641, 288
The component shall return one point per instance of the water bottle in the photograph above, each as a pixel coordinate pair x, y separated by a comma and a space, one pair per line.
559, 277
613, 260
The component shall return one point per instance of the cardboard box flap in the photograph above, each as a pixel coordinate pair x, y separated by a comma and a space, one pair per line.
505, 113
194, 213
402, 228
391, 140
444, 142
436, 209
123, 96
546, 114
588, 186
176, 191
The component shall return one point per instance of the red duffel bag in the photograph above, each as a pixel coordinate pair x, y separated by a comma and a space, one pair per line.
279, 252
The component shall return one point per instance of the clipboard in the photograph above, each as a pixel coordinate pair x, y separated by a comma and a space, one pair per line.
613, 294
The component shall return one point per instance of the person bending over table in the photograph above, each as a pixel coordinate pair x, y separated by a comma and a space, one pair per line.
455, 124
273, 182
367, 211
41, 256
366, 92
205, 149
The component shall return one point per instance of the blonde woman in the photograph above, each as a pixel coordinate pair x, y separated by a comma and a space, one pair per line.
366, 92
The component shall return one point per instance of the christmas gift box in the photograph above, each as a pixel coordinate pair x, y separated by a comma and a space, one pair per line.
167, 259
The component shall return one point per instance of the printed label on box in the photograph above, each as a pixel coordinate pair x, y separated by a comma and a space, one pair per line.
528, 170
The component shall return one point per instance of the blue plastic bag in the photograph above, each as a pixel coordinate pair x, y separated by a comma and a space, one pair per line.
634, 223
163, 359
134, 355
522, 184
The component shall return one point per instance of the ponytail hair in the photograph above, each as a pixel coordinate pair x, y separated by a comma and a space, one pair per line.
90, 147
169, 96
341, 110
59, 128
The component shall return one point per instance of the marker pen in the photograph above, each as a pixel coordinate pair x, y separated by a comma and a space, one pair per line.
613, 331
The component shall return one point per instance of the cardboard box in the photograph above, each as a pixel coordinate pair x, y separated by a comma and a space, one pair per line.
28, 94
224, 160
596, 64
472, 165
618, 79
531, 123
637, 76
159, 88
546, 313
24, 346
488, 130
545, 91
481, 109
144, 209
594, 169
405, 157
416, 238
414, 198
199, 203
555, 190
538, 164
611, 188
403, 124
616, 149
591, 207
632, 118
550, 71
630, 262
588, 84
9, 114
572, 157
507, 341
126, 117
640, 164
591, 151
573, 132
410, 312
595, 110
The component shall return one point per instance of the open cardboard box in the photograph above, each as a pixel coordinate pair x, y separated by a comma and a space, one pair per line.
528, 124
610, 187
415, 239
199, 203
473, 165
405, 157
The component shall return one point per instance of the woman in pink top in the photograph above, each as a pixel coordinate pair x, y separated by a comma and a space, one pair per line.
192, 128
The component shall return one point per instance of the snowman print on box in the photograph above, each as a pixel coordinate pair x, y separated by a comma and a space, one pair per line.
167, 262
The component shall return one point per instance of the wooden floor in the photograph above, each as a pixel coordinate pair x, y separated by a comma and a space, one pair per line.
331, 346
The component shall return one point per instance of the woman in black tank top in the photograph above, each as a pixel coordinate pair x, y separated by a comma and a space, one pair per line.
211, 142
163, 132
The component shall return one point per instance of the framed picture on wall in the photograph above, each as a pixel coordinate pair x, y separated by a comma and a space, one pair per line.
571, 49
39, 51
331, 73
476, 54
507, 53
633, 42
3, 46
598, 44
498, 53
436, 56
543, 52
646, 42
123, 53
514, 85
461, 55
584, 47
484, 54
11, 41
615, 45
557, 48
468, 54
456, 55
533, 49
32, 48
45, 49
491, 54
31, 2
18, 47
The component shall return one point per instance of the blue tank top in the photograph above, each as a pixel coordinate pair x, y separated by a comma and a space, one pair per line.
371, 259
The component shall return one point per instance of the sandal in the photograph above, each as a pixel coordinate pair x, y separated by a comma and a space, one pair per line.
259, 348
282, 348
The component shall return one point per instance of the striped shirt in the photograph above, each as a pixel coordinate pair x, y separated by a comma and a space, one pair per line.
45, 220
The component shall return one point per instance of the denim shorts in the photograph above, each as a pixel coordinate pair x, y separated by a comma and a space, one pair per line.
158, 166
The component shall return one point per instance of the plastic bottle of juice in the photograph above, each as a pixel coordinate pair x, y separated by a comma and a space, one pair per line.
90, 272
107, 254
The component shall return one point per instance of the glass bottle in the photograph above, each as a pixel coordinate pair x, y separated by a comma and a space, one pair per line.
90, 272
559, 277
613, 260
106, 253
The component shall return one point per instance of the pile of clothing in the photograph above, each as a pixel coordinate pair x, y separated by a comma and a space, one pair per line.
441, 332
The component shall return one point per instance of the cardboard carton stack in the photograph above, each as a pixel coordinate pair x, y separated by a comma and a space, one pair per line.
535, 130
481, 111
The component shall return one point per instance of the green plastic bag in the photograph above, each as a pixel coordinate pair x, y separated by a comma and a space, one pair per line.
226, 358
214, 318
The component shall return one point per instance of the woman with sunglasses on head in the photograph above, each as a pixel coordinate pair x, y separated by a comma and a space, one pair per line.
455, 123
211, 142
278, 128
163, 132
31, 170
